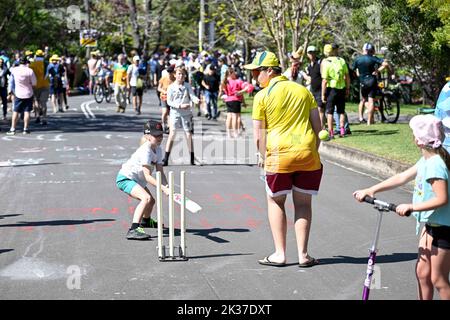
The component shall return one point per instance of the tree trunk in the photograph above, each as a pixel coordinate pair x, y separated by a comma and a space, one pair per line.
134, 26
159, 24
148, 25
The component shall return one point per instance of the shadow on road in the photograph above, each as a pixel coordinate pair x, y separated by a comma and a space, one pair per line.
5, 250
220, 255
54, 223
3, 216
387, 258
373, 132
207, 233
32, 164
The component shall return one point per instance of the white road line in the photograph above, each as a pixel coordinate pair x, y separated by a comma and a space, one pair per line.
85, 107
360, 172
88, 108
84, 110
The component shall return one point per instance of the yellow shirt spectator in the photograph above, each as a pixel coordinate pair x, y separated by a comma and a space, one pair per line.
120, 74
291, 142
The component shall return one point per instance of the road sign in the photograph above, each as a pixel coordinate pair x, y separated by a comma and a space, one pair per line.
88, 38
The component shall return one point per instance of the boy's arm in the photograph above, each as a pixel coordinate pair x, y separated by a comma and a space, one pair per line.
149, 178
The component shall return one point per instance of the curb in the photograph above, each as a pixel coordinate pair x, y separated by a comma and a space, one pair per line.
378, 165
370, 163
374, 165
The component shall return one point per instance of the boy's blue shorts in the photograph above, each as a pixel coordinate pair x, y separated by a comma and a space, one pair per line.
125, 184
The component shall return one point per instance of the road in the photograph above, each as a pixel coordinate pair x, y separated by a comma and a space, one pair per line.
63, 221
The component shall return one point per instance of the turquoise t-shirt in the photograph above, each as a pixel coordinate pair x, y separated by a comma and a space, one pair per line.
427, 169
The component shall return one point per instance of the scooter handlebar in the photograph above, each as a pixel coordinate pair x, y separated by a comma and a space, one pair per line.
383, 204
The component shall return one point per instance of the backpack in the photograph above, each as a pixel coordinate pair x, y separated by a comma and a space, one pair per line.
335, 67
142, 68
57, 75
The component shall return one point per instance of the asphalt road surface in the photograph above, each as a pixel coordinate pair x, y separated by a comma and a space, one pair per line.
63, 221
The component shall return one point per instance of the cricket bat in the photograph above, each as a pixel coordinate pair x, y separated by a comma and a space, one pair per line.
190, 205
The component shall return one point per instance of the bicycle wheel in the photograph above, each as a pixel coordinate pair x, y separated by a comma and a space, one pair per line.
98, 94
108, 94
390, 108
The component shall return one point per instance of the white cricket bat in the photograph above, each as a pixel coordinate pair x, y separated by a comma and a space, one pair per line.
190, 205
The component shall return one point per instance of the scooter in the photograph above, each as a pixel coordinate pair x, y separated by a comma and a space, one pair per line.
381, 206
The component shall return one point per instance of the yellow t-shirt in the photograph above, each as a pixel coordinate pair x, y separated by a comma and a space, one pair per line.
285, 107
334, 70
120, 74
39, 68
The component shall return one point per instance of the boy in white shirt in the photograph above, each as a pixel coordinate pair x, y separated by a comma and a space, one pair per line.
137, 172
179, 98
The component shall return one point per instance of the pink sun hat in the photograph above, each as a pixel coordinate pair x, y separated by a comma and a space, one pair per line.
428, 130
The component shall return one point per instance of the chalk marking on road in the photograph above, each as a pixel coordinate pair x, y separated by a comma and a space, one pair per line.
58, 138
31, 150
60, 181
39, 137
361, 173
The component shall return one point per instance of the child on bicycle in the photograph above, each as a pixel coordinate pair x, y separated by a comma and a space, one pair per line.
430, 205
137, 172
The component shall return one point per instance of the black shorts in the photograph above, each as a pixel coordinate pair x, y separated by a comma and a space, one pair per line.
23, 105
335, 97
135, 91
441, 236
370, 92
318, 97
234, 106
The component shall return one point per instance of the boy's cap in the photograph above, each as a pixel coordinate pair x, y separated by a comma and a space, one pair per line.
428, 130
263, 59
153, 128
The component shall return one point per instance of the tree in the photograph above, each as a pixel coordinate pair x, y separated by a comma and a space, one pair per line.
296, 18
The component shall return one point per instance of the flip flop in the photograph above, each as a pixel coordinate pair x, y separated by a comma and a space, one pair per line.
267, 262
309, 263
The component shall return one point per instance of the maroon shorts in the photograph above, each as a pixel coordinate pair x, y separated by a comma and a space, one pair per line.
278, 184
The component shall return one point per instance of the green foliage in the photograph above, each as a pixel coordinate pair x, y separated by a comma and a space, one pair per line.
30, 24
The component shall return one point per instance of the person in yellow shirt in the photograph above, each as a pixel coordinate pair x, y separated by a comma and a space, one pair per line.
286, 124
120, 83
42, 89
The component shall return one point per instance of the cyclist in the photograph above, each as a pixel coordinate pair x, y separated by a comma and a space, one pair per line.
103, 76
367, 67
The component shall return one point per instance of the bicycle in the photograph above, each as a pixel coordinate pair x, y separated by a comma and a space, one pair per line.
101, 91
387, 105
381, 206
